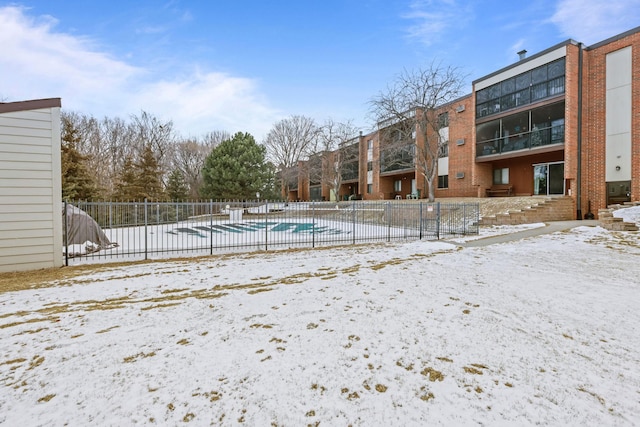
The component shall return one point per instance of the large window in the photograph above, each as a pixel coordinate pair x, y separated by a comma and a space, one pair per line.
501, 176
397, 158
515, 132
539, 83
522, 131
349, 171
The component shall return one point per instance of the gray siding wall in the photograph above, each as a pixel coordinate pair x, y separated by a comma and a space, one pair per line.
30, 190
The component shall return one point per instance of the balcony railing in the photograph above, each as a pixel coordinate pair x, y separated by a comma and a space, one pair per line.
522, 141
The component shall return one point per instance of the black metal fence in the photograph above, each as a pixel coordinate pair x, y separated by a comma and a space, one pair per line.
144, 230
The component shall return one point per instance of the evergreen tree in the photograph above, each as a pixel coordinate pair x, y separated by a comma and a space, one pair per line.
177, 188
127, 184
77, 182
236, 169
148, 176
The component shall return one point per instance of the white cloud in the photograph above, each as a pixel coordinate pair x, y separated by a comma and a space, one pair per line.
38, 61
591, 21
433, 18
210, 101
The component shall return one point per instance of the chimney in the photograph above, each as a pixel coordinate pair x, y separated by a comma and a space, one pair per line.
522, 54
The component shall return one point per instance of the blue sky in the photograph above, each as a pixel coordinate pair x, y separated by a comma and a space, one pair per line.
242, 66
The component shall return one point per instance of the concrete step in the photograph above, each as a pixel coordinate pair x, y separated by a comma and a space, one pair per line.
552, 209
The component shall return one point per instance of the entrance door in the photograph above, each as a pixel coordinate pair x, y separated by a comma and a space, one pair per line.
548, 179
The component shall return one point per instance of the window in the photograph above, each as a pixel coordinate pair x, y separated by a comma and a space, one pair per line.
443, 149
369, 188
370, 144
501, 176
557, 131
443, 181
397, 185
443, 120
556, 86
523, 81
515, 132
522, 131
539, 83
369, 166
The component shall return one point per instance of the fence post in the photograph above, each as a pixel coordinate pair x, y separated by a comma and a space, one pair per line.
353, 221
438, 221
66, 236
266, 224
313, 224
387, 209
145, 229
464, 219
211, 226
420, 219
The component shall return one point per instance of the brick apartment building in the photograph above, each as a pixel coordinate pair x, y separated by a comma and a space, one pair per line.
562, 122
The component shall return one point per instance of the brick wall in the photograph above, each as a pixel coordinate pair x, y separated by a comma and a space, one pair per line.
594, 123
461, 157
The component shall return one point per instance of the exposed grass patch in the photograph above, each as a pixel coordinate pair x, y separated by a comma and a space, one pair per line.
130, 359
584, 390
46, 398
260, 325
425, 395
102, 331
432, 374
13, 361
474, 369
152, 307
35, 362
45, 319
256, 291
32, 331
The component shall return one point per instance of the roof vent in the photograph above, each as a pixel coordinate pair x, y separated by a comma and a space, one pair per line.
522, 54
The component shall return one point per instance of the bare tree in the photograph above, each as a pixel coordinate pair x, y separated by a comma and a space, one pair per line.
159, 135
214, 138
289, 141
338, 144
189, 157
408, 115
116, 137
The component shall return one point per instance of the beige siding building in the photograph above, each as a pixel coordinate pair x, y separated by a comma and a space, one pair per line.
30, 185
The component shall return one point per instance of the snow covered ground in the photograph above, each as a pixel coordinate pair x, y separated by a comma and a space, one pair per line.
537, 331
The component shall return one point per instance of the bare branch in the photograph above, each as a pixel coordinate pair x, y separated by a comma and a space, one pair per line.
409, 118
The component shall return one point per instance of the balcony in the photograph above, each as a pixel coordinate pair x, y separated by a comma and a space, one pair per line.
523, 141
394, 159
